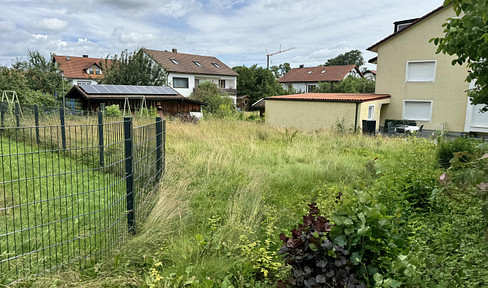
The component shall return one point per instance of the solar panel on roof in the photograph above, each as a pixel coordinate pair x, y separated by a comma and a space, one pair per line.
144, 90
128, 89
156, 89
88, 88
168, 90
124, 89
102, 89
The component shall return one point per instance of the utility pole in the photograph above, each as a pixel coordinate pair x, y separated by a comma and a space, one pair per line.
274, 53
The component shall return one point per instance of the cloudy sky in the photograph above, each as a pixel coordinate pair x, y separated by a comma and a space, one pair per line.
238, 32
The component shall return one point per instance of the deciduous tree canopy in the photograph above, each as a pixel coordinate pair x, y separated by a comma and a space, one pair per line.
135, 68
348, 85
280, 70
466, 38
353, 57
210, 94
257, 82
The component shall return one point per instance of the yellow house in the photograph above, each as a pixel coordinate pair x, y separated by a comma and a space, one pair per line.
320, 111
423, 85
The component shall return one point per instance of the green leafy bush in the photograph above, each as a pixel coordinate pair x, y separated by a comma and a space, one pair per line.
113, 111
217, 102
363, 226
446, 149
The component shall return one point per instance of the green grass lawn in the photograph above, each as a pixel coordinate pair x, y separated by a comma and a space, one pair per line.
54, 209
231, 187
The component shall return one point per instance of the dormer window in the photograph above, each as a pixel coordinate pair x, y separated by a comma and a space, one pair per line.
174, 61
216, 65
197, 63
309, 72
94, 70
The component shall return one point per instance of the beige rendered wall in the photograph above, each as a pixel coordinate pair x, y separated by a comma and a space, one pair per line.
447, 92
309, 116
378, 106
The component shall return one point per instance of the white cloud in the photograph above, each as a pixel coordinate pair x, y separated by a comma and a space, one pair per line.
7, 26
50, 24
39, 36
237, 31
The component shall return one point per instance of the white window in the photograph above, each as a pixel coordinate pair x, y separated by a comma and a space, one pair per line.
180, 82
418, 110
197, 82
311, 88
421, 71
371, 112
222, 83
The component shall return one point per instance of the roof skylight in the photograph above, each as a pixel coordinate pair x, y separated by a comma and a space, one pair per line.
309, 72
323, 71
174, 61
197, 63
216, 65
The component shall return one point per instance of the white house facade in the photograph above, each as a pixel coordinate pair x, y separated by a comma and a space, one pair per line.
306, 79
187, 71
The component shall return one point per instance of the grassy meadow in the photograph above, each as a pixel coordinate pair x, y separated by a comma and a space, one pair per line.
231, 187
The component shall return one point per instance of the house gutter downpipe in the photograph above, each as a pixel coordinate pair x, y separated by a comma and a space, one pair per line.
356, 117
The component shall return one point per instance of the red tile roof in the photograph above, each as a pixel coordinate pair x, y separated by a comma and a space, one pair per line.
75, 67
208, 65
331, 97
374, 48
318, 74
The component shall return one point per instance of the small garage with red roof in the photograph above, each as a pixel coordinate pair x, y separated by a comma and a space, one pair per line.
322, 111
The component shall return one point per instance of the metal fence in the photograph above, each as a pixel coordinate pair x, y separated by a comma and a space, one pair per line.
72, 192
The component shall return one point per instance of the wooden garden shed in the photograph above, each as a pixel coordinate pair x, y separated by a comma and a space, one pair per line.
165, 99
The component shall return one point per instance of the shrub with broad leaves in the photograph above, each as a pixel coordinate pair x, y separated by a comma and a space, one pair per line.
315, 260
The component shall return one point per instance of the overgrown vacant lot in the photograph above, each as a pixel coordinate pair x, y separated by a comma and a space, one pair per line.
231, 187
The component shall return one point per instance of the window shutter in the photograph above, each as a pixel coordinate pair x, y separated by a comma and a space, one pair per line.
417, 110
421, 71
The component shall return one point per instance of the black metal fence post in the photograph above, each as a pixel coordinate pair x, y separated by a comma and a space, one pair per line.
17, 114
129, 174
159, 148
164, 146
100, 137
36, 119
63, 126
3, 109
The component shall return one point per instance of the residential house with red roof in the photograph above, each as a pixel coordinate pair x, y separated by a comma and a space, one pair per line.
187, 71
80, 70
306, 79
425, 86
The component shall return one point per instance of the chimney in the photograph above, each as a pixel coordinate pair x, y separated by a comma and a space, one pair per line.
302, 65
85, 56
174, 50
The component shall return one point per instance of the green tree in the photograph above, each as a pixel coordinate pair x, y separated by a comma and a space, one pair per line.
257, 82
353, 57
135, 68
466, 38
209, 93
348, 85
280, 70
42, 74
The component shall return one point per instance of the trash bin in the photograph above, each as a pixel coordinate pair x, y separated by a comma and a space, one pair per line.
369, 127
